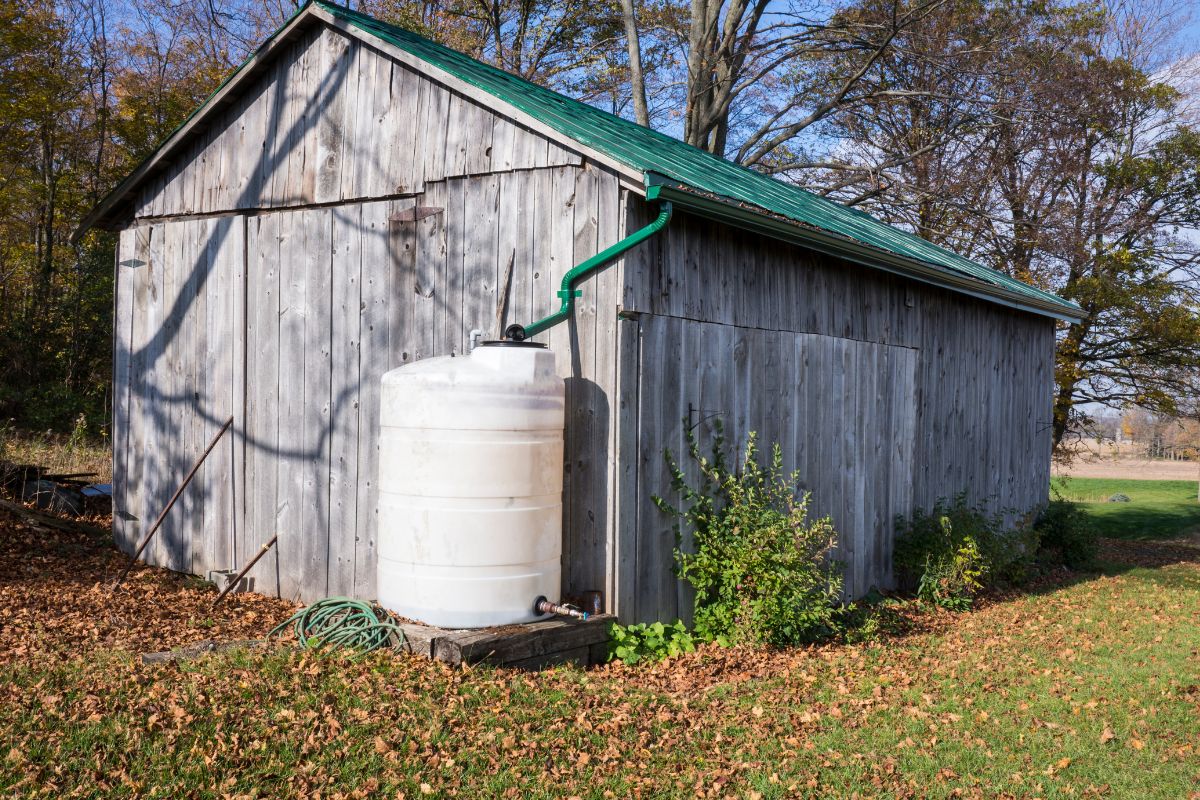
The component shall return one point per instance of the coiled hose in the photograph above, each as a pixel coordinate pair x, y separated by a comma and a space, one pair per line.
343, 622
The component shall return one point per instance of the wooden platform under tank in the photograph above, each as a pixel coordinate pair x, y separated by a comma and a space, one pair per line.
533, 645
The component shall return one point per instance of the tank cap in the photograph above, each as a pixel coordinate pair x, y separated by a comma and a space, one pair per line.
511, 343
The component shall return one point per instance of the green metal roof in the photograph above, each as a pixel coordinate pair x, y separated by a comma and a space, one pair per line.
691, 169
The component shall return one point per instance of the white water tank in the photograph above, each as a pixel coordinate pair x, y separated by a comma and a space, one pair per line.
470, 486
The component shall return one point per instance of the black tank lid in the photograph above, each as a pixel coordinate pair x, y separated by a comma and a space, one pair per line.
510, 343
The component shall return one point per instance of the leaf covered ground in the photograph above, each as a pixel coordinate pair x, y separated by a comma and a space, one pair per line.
1088, 686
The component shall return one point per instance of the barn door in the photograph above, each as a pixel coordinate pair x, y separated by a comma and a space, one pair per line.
175, 383
842, 410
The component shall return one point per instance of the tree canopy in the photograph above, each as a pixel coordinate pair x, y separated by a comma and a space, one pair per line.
1054, 141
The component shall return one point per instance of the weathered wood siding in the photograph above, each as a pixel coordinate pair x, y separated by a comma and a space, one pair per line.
842, 411
886, 394
175, 384
334, 120
335, 297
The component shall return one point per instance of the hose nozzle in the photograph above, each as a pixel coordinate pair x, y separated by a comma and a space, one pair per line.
544, 606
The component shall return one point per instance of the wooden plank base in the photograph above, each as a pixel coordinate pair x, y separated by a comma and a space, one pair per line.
531, 646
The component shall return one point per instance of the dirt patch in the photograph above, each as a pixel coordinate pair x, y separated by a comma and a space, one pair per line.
1090, 460
55, 601
1147, 469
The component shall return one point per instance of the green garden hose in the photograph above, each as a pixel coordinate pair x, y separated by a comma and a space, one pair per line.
343, 622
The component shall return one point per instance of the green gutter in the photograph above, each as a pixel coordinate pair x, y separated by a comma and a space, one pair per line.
568, 292
831, 244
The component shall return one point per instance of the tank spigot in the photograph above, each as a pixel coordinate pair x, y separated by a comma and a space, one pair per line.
544, 606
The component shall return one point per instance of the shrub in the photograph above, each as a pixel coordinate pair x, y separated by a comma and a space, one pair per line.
948, 554
654, 641
761, 569
1067, 535
951, 579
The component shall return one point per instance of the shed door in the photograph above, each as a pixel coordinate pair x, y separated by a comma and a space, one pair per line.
178, 316
842, 410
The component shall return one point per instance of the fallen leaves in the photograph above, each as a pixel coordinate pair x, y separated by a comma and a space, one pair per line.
55, 602
1007, 701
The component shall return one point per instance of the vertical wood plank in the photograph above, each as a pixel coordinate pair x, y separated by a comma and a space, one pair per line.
584, 539
358, 101
317, 409
123, 317
344, 429
239, 336
173, 437
434, 114
374, 162
449, 307
429, 265
302, 173
331, 116
480, 242
457, 135
141, 331
295, 441
606, 393
378, 268
262, 400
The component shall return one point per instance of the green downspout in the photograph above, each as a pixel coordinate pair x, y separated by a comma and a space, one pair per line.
568, 292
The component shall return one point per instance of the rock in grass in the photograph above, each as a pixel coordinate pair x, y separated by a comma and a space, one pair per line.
1119, 498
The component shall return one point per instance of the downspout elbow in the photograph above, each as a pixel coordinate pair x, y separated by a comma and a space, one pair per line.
567, 292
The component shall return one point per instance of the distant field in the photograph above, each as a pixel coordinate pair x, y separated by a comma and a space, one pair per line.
1125, 465
1157, 509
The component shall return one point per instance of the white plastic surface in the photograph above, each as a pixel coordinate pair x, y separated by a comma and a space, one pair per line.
470, 487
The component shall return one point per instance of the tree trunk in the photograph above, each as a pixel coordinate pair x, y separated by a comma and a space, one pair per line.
49, 210
637, 79
1067, 377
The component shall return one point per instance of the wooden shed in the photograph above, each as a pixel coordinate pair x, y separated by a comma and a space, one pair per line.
356, 197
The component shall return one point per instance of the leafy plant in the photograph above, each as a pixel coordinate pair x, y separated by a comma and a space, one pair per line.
951, 580
648, 641
761, 569
953, 551
1067, 534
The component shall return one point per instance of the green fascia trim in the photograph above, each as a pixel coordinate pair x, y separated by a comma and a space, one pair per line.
653, 153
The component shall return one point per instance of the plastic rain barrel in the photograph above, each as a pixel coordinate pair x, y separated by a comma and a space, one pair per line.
470, 486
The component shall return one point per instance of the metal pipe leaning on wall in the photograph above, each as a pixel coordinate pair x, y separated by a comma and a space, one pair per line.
567, 293
262, 551
171, 504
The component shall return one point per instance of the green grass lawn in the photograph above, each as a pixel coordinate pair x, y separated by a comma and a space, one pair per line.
1086, 690
1158, 509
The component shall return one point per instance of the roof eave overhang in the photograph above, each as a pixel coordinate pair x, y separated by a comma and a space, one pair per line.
761, 221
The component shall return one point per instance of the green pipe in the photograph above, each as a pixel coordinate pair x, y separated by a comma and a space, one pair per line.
568, 292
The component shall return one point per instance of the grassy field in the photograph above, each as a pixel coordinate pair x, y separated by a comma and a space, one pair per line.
1157, 509
1087, 686
58, 453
